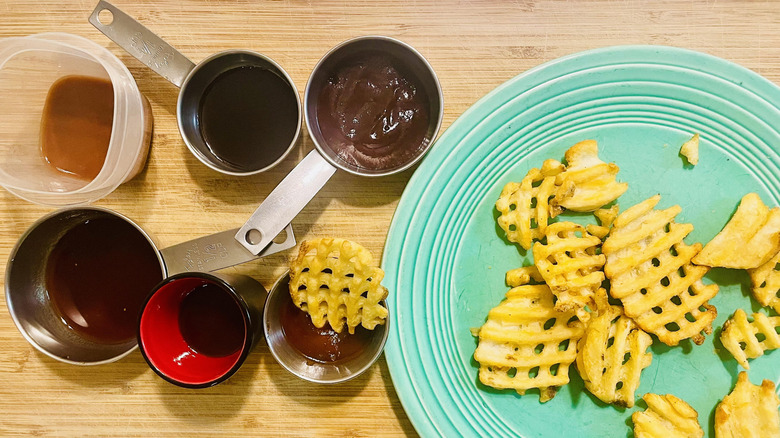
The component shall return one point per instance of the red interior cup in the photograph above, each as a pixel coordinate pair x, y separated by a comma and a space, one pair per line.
194, 330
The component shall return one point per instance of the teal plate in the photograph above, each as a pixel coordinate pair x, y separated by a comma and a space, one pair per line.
445, 259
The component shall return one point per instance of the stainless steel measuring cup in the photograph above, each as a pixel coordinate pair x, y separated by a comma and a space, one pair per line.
311, 174
30, 303
196, 81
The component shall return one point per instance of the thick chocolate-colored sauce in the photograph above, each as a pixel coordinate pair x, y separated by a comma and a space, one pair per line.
372, 114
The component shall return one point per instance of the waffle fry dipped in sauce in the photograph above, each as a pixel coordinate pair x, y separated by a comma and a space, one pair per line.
612, 355
749, 239
525, 343
524, 207
588, 183
570, 266
666, 416
757, 336
336, 282
750, 411
650, 270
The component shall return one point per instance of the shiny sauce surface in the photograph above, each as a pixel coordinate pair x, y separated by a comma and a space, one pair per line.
372, 114
248, 116
76, 125
323, 345
98, 275
211, 322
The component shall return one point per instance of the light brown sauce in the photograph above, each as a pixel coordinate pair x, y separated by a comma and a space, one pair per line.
76, 125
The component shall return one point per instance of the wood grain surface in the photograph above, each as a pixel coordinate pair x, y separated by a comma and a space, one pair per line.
473, 45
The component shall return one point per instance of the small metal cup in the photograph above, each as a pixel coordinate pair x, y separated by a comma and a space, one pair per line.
298, 364
412, 62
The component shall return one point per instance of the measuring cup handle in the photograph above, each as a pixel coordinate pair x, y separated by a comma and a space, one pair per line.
142, 43
285, 202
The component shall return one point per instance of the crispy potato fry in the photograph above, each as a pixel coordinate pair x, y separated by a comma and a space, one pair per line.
666, 416
766, 283
588, 183
757, 336
525, 343
336, 281
690, 150
525, 208
606, 217
650, 271
749, 239
750, 411
612, 355
570, 266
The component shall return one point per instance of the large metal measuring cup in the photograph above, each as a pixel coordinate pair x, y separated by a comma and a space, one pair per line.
194, 81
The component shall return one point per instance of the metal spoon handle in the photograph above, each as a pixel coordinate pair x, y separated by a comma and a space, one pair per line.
142, 43
285, 202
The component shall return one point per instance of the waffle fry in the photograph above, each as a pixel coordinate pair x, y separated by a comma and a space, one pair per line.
690, 150
588, 183
606, 217
750, 411
570, 266
766, 283
650, 271
757, 336
666, 416
336, 281
525, 343
749, 239
525, 208
612, 355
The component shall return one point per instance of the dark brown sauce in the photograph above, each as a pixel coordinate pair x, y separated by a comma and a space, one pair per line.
372, 114
98, 275
248, 116
211, 322
76, 125
322, 345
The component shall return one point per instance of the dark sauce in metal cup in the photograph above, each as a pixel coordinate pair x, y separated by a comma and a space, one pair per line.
98, 275
321, 344
248, 117
372, 113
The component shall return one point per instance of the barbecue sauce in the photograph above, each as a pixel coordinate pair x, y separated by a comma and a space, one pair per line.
323, 345
373, 114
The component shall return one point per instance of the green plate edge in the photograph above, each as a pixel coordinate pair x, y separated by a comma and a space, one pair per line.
430, 368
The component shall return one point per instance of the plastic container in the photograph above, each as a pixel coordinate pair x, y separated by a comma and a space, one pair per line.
28, 68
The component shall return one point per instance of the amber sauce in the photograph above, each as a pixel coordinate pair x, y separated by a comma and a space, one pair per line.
324, 344
76, 125
98, 275
211, 322
373, 114
248, 116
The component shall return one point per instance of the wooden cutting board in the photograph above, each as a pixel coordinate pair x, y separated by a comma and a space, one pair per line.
473, 45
